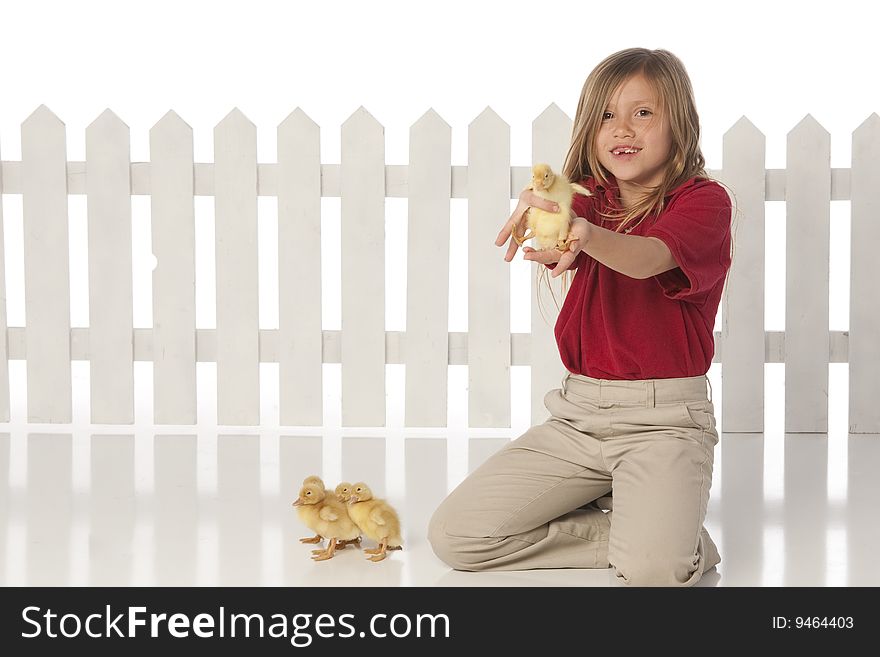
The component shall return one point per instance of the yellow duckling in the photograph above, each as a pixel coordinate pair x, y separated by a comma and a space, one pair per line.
343, 492
318, 538
551, 229
309, 480
327, 516
376, 519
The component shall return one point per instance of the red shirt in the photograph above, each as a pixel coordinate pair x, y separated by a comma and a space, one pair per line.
612, 326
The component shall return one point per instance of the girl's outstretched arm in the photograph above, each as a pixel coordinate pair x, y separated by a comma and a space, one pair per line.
632, 255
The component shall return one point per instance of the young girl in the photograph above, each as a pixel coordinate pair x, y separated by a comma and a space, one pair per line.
633, 416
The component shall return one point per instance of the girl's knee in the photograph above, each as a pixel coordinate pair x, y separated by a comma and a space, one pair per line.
458, 552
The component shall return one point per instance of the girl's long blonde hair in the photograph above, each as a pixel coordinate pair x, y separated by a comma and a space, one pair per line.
672, 87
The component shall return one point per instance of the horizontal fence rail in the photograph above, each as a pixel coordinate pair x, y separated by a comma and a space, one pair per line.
362, 180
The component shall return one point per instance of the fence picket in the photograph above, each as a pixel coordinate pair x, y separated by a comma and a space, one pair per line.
488, 337
46, 267
807, 244
300, 348
551, 134
362, 178
742, 304
427, 277
237, 345
4, 351
172, 218
864, 322
108, 192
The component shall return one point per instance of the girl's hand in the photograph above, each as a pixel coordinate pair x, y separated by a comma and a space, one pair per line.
517, 223
580, 231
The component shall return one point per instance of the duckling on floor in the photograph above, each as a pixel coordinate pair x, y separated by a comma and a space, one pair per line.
343, 494
376, 520
317, 538
326, 515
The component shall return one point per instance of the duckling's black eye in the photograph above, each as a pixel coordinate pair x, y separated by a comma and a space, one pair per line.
308, 492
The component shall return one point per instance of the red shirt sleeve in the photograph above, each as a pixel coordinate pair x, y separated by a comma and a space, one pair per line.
696, 228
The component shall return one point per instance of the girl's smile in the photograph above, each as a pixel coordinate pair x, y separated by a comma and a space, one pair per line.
633, 121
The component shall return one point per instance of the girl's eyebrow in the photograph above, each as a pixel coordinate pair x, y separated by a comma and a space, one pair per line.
636, 102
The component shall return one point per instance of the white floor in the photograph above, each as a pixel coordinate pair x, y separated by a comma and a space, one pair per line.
93, 505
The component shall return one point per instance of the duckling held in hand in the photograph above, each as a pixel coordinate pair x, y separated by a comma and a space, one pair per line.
551, 229
323, 513
376, 520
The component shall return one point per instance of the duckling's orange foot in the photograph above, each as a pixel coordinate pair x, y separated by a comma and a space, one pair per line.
565, 245
331, 548
378, 557
355, 541
373, 551
318, 551
313, 539
521, 239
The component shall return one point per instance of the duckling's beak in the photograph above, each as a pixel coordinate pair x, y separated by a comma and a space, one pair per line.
297, 503
353, 499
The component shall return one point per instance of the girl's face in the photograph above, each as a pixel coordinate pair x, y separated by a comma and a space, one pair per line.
633, 118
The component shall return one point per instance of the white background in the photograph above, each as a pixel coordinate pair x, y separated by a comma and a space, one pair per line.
773, 62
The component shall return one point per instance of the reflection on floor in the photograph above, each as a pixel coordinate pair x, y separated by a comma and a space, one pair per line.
146, 505
140, 509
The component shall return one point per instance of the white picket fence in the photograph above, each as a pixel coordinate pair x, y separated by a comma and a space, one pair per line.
363, 181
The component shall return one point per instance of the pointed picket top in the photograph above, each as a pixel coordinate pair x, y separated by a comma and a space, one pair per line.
298, 120
552, 114
235, 119
430, 120
107, 128
742, 130
172, 124
107, 121
173, 118
866, 146
488, 117
43, 137
361, 118
870, 126
42, 116
808, 145
809, 126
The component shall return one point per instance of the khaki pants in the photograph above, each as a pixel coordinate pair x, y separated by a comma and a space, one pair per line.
538, 502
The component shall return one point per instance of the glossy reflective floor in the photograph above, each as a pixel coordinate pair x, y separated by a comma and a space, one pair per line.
97, 505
